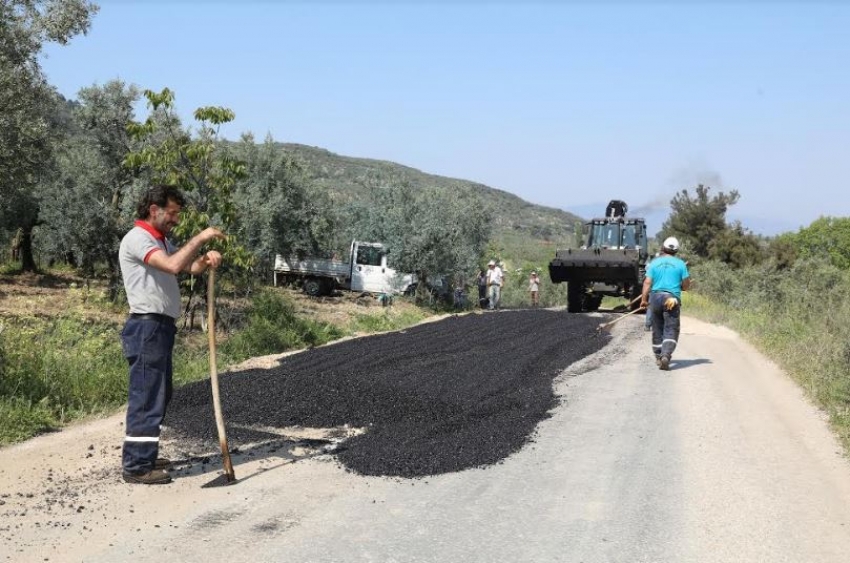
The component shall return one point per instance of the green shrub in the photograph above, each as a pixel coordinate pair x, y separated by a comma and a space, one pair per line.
385, 320
67, 363
796, 316
273, 327
20, 419
56, 370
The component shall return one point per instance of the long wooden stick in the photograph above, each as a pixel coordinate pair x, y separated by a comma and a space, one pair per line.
618, 319
219, 417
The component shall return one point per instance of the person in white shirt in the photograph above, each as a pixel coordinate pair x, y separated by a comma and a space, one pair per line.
494, 284
534, 288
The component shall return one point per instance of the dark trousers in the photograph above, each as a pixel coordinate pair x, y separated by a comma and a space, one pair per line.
665, 324
148, 345
483, 301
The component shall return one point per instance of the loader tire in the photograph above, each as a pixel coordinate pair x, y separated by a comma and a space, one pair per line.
593, 302
575, 297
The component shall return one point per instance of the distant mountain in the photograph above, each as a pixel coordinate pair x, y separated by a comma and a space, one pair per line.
346, 179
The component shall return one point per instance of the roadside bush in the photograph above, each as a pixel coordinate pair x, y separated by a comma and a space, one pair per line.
56, 370
20, 419
273, 327
797, 316
387, 319
68, 362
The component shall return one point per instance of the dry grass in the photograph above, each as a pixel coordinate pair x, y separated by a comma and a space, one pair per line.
50, 295
53, 294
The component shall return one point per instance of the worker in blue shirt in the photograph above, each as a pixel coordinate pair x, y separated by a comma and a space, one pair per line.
666, 278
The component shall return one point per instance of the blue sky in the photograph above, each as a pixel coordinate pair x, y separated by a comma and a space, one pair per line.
565, 104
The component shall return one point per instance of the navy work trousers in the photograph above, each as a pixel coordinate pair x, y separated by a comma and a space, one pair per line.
665, 324
148, 344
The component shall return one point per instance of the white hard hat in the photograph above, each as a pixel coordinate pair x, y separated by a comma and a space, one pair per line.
491, 263
671, 244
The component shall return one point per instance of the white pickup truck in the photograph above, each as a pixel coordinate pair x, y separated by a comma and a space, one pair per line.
366, 270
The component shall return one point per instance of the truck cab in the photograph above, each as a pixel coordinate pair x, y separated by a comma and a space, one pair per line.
370, 271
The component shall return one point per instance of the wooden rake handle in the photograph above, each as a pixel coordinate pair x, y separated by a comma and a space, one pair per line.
608, 324
219, 416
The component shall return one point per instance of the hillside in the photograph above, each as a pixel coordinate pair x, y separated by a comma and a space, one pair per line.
517, 221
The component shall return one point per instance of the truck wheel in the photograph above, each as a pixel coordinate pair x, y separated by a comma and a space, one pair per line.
313, 287
575, 297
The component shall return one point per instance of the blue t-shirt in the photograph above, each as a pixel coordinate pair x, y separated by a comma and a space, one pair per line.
667, 273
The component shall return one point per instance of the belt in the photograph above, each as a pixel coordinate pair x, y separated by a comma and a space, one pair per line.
152, 317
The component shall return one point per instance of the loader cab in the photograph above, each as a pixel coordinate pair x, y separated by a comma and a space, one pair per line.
616, 234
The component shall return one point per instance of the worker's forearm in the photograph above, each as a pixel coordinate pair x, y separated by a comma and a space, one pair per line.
181, 260
199, 266
647, 285
185, 257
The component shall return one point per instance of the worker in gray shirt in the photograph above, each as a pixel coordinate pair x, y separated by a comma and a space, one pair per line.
149, 265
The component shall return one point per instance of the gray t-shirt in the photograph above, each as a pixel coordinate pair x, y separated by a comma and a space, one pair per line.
149, 289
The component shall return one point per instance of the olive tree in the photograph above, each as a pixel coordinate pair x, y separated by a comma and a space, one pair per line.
28, 104
81, 209
279, 210
426, 230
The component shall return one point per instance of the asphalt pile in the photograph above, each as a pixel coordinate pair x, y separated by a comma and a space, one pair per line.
463, 392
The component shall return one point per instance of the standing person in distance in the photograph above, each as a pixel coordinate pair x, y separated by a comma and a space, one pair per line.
666, 278
482, 289
534, 288
494, 284
149, 266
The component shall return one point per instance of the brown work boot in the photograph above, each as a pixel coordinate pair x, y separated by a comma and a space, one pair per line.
162, 463
664, 363
152, 477
658, 361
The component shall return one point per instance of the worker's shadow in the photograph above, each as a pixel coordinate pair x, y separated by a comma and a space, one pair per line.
676, 364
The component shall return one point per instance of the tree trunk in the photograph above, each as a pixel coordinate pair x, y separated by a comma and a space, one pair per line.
115, 279
27, 260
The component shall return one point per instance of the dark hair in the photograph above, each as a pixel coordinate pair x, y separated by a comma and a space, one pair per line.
159, 194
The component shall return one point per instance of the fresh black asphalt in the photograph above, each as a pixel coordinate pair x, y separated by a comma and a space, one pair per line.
463, 392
